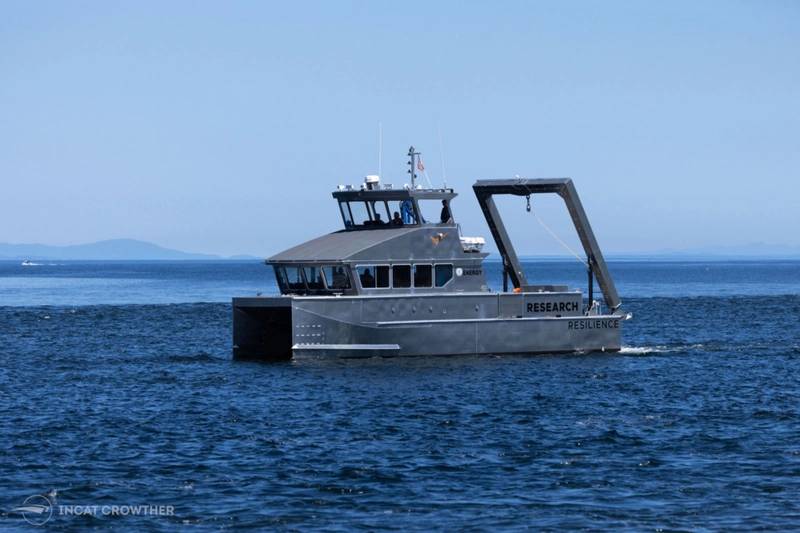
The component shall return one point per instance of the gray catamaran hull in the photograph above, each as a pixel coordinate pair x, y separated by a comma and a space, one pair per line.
466, 337
344, 327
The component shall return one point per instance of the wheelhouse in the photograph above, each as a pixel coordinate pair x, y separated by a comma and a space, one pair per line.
391, 208
420, 249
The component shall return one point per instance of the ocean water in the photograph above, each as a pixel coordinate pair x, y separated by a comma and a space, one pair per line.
118, 389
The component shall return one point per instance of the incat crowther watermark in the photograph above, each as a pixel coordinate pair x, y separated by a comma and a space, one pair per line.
37, 510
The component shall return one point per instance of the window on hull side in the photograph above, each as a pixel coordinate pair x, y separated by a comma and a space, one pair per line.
444, 273
423, 277
373, 276
366, 276
382, 276
401, 276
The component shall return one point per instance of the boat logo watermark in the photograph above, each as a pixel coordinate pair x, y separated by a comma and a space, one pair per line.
37, 510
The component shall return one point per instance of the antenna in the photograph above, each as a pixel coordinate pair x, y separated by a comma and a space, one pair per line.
380, 149
441, 154
413, 164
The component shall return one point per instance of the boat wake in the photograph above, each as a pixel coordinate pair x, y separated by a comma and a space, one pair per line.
658, 349
640, 350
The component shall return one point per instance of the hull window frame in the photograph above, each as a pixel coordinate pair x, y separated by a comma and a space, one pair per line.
374, 272
430, 275
410, 274
436, 275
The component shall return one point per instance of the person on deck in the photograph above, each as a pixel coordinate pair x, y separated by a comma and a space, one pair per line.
446, 216
407, 208
396, 220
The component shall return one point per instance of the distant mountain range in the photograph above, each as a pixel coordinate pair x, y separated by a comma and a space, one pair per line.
135, 250
754, 251
757, 250
110, 250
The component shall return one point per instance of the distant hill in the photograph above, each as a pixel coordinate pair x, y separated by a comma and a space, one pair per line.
753, 251
758, 250
114, 249
135, 250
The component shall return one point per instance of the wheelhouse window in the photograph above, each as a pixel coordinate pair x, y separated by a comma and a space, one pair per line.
280, 277
435, 211
423, 276
314, 279
347, 216
333, 279
367, 214
359, 213
294, 278
380, 212
401, 276
444, 273
405, 214
336, 278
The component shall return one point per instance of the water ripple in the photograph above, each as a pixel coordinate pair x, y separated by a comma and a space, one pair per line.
693, 426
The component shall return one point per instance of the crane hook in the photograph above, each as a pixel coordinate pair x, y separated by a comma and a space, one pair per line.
528, 206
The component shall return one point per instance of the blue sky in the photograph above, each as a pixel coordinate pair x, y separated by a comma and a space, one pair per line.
223, 127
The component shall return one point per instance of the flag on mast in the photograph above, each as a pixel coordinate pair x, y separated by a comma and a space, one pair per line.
420, 166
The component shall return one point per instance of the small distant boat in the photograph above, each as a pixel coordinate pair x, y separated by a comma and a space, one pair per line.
28, 263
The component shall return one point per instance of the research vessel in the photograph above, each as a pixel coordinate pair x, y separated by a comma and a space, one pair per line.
399, 279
